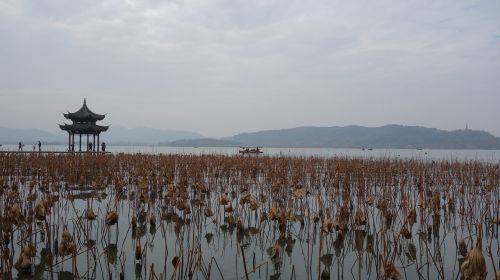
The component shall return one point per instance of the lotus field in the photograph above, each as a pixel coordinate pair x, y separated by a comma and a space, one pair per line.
134, 216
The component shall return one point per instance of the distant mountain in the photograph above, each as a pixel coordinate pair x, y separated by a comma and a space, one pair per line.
28, 136
389, 136
202, 142
145, 135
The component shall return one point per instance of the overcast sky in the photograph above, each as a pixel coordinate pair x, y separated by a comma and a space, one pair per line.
223, 67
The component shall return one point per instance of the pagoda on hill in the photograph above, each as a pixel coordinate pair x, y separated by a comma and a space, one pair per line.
84, 123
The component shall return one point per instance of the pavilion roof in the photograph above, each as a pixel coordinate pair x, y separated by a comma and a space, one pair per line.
84, 114
83, 128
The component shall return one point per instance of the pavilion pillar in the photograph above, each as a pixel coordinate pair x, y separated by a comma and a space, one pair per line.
80, 142
69, 141
98, 144
87, 142
93, 143
72, 142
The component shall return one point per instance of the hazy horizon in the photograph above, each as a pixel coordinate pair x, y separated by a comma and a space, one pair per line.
121, 126
224, 67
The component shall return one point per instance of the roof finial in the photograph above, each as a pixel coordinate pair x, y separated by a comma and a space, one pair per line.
84, 101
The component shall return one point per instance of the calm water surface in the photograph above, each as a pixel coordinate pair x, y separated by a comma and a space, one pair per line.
431, 154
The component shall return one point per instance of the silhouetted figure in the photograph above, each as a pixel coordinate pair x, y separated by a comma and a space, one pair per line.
90, 147
20, 147
72, 147
103, 146
39, 146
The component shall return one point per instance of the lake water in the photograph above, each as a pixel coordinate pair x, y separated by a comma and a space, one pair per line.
450, 199
431, 154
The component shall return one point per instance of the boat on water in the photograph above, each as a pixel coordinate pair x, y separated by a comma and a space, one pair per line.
250, 150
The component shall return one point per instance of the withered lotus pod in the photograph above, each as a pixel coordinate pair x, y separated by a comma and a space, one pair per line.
175, 261
229, 208
111, 218
142, 197
275, 252
67, 245
462, 248
29, 250
412, 217
340, 223
152, 221
245, 198
23, 263
406, 233
224, 199
390, 272
40, 211
15, 211
360, 218
370, 200
254, 205
263, 217
208, 212
474, 266
274, 213
327, 226
325, 274
89, 214
299, 193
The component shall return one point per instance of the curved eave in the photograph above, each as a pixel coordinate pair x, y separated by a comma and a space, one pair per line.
83, 128
84, 117
84, 114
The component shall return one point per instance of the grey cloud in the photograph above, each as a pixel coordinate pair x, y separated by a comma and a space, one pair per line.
222, 67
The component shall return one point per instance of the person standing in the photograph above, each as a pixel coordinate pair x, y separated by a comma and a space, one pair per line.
20, 147
103, 146
39, 146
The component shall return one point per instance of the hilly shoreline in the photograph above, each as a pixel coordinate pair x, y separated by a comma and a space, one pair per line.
389, 136
386, 137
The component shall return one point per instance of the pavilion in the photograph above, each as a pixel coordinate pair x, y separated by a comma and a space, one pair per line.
84, 123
